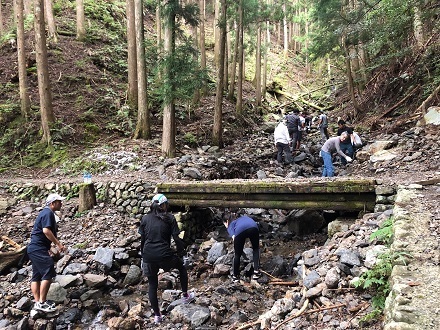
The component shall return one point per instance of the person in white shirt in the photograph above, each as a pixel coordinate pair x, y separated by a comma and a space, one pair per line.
282, 141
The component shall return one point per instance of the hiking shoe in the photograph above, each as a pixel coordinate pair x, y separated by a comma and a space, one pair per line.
235, 279
44, 307
158, 319
256, 275
51, 303
189, 298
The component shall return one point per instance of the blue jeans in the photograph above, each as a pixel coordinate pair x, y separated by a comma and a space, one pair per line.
328, 164
347, 148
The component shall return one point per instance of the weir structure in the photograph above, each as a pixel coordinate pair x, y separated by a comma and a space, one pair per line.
314, 194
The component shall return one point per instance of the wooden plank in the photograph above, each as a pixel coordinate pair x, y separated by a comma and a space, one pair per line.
274, 187
341, 197
276, 204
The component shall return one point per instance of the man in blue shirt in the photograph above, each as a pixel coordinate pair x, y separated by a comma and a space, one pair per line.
239, 229
44, 233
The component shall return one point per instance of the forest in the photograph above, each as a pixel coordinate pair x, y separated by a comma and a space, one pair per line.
75, 74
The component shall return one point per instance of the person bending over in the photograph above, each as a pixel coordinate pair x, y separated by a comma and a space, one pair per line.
331, 145
240, 229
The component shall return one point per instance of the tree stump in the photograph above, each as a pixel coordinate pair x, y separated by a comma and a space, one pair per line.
87, 197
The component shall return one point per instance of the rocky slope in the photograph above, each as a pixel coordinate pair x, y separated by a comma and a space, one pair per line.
308, 281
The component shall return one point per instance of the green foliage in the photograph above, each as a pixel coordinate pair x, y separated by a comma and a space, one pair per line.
80, 165
190, 139
384, 233
185, 73
122, 123
82, 245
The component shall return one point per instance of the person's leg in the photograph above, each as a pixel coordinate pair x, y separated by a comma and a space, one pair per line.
254, 237
35, 288
153, 284
294, 139
239, 241
327, 135
344, 148
44, 289
287, 154
280, 149
328, 165
298, 141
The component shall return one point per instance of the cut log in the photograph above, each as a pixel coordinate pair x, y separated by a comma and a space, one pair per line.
10, 259
87, 197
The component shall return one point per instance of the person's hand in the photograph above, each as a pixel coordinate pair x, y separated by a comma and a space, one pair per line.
348, 159
61, 247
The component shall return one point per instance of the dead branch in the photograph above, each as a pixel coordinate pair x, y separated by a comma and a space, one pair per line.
272, 277
400, 102
11, 242
422, 107
283, 283
303, 308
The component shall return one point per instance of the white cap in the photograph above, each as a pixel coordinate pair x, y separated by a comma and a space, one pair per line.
160, 199
54, 197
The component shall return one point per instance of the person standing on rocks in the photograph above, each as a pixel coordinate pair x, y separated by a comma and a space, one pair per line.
331, 145
44, 233
156, 229
323, 126
282, 140
241, 228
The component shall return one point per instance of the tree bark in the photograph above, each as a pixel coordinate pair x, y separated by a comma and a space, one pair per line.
50, 21
87, 197
142, 130
25, 103
217, 131
44, 90
202, 46
216, 33
132, 90
1, 19
80, 19
169, 125
239, 103
258, 67
285, 29
233, 64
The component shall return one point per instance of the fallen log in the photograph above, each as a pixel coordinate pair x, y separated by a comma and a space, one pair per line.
12, 258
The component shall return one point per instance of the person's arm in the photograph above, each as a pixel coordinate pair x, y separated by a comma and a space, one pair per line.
51, 237
180, 244
339, 151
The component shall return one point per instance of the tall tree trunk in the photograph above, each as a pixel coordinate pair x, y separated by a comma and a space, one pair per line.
204, 90
239, 102
169, 125
142, 130
216, 32
418, 27
1, 19
132, 90
217, 130
349, 74
50, 20
285, 34
80, 21
25, 103
46, 109
266, 51
258, 67
233, 65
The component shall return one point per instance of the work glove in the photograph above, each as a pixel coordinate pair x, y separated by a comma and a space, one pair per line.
348, 159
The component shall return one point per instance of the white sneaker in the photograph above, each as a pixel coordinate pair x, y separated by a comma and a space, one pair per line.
44, 307
158, 319
189, 298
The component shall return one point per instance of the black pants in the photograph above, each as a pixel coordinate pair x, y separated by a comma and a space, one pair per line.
151, 270
239, 240
283, 149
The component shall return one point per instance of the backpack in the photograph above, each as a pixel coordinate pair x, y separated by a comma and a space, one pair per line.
356, 140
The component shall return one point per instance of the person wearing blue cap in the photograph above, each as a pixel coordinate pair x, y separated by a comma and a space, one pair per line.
156, 229
44, 233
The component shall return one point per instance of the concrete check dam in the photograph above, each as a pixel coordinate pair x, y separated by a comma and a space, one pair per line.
313, 194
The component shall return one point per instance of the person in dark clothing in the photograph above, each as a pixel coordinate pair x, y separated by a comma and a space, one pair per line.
240, 229
293, 122
44, 233
156, 229
346, 145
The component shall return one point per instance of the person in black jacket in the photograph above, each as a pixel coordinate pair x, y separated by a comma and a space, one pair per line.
156, 229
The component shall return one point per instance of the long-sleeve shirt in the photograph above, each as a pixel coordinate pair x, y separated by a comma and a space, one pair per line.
333, 144
240, 224
281, 134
